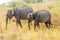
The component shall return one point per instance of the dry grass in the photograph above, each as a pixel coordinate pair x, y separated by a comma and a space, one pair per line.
24, 34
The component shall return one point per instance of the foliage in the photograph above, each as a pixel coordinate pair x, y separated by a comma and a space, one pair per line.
14, 4
33, 1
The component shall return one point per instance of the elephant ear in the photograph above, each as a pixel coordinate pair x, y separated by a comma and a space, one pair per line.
12, 12
29, 15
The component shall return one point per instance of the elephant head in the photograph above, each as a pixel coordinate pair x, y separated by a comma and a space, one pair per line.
9, 15
30, 16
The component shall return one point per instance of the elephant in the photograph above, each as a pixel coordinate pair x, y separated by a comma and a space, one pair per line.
42, 16
19, 13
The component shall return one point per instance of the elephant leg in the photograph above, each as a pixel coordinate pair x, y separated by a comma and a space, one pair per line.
29, 24
18, 22
38, 25
35, 23
47, 24
50, 23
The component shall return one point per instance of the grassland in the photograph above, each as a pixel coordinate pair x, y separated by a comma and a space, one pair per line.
23, 33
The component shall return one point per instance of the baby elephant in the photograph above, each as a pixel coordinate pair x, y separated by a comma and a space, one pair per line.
42, 16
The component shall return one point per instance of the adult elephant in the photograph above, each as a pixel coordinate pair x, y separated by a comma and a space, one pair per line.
19, 13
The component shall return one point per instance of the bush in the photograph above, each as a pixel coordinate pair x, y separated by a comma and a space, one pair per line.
14, 4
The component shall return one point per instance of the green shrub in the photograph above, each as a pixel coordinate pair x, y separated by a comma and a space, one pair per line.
14, 4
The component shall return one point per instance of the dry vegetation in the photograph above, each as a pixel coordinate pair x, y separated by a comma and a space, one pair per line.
24, 34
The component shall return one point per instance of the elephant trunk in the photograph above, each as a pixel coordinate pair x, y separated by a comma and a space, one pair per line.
6, 21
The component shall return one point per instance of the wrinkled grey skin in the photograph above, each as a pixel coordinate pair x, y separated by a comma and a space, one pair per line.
42, 16
19, 13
